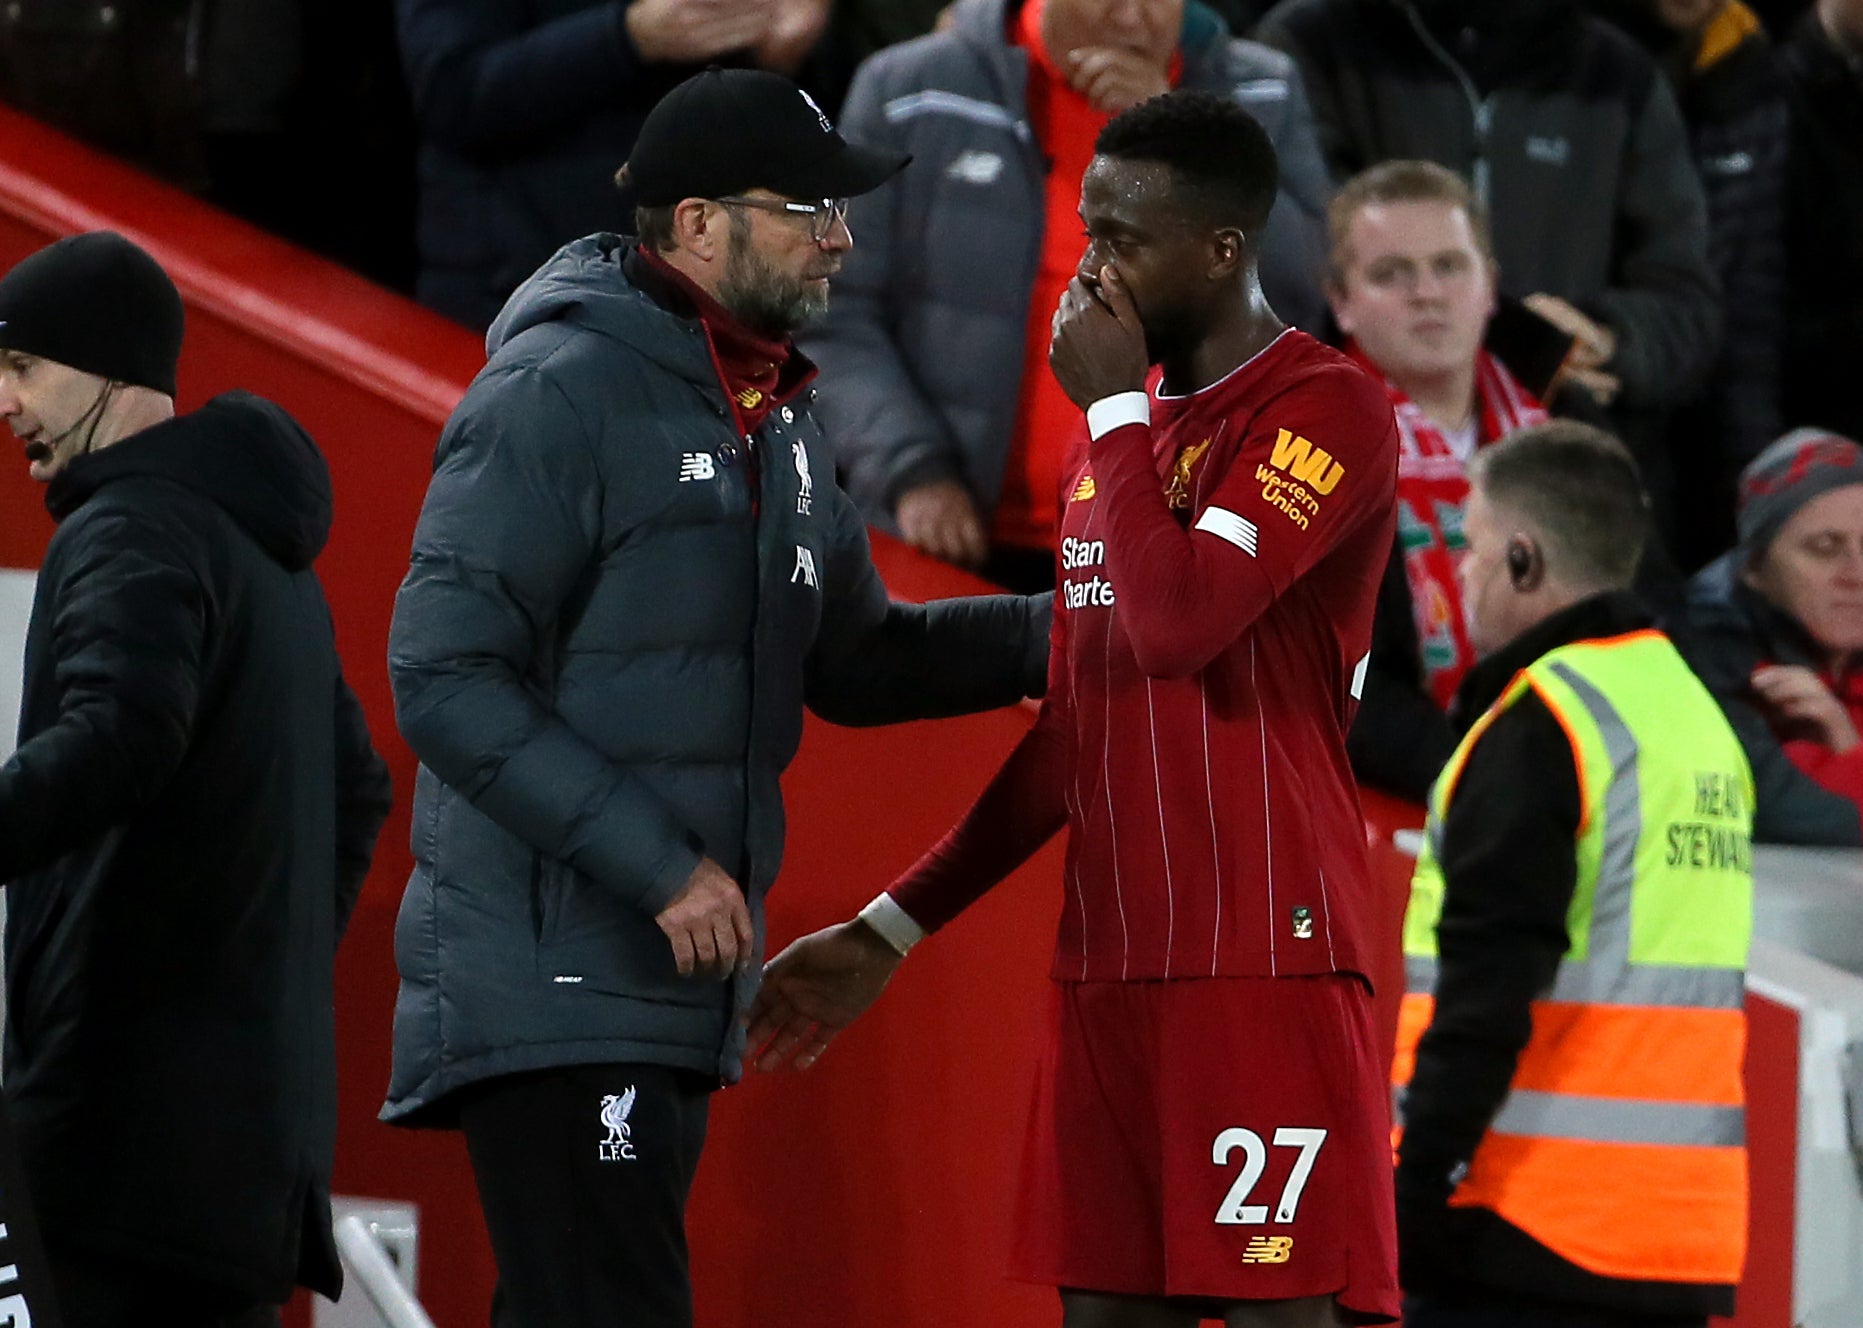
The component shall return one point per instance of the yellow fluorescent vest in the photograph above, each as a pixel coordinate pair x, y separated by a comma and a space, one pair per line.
1621, 1143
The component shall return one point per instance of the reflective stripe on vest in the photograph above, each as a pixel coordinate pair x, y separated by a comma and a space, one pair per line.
1630, 1086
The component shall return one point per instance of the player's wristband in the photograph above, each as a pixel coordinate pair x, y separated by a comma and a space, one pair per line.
1117, 411
892, 923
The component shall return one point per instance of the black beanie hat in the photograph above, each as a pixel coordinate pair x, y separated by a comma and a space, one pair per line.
96, 303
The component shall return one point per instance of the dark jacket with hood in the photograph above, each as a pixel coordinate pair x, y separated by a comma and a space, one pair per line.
1570, 136
1732, 631
617, 609
183, 829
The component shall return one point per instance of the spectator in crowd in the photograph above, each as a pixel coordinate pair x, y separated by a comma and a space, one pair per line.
935, 388
1575, 147
1412, 287
1778, 635
1726, 77
257, 105
632, 569
185, 824
1600, 784
1823, 62
523, 111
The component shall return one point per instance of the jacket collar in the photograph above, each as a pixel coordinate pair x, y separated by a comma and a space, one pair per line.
1612, 613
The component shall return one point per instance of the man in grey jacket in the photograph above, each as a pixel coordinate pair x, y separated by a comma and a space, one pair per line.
934, 356
1576, 148
632, 571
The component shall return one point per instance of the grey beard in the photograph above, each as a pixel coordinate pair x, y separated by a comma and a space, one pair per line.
764, 300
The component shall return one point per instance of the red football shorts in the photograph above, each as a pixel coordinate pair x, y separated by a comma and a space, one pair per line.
1219, 1138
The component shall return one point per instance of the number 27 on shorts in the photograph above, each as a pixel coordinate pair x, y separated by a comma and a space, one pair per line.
1235, 1209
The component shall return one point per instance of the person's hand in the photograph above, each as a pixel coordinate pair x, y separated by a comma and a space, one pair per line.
814, 989
1113, 79
1796, 693
940, 518
1097, 349
794, 30
708, 924
693, 31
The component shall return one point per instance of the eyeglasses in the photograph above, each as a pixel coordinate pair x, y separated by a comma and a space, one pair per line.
822, 214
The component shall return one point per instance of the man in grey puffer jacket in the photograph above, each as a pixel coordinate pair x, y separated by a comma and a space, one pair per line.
925, 355
632, 571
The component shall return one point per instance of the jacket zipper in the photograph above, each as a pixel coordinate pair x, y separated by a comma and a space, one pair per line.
1482, 107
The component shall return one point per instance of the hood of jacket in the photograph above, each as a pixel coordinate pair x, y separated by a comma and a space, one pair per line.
1497, 44
240, 451
585, 286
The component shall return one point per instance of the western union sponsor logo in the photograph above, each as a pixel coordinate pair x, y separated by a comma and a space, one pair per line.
1313, 466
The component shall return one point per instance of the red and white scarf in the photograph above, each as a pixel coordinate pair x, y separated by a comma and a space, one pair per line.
1432, 491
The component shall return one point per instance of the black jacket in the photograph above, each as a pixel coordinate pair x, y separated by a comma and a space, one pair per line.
1824, 216
184, 827
617, 609
525, 112
1732, 631
1507, 845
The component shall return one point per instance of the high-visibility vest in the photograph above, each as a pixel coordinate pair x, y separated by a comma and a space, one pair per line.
1621, 1143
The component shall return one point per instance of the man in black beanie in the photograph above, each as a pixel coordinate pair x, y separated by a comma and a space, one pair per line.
185, 824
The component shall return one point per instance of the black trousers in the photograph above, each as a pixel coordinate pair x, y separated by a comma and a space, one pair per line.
100, 1293
1470, 1311
583, 1174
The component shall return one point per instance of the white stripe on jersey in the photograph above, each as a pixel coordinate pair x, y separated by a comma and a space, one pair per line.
1164, 833
1224, 524
1216, 851
1106, 782
1267, 821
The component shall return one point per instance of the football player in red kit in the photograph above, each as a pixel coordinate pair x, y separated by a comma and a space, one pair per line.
1210, 1129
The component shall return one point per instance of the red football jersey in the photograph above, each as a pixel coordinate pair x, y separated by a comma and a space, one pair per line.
1217, 574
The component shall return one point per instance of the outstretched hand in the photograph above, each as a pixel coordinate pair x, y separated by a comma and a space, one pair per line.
1097, 348
814, 989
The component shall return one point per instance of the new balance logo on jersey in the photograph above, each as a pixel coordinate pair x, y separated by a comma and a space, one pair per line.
696, 466
974, 167
805, 567
1268, 1249
619, 1145
1084, 490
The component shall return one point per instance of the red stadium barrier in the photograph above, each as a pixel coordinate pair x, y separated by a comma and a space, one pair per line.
874, 1189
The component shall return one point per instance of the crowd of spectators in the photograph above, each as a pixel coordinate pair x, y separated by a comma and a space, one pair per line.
1639, 213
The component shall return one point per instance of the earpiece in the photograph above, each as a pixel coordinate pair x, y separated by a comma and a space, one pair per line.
1523, 562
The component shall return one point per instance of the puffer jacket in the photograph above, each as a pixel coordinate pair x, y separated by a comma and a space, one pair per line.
923, 349
616, 610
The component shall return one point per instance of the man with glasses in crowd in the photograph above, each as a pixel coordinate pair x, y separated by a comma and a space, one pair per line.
632, 570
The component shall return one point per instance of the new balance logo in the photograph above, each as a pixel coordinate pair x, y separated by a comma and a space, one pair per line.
1084, 490
1268, 1249
696, 466
805, 567
974, 167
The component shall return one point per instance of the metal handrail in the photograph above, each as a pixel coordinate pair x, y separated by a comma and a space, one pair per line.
366, 1260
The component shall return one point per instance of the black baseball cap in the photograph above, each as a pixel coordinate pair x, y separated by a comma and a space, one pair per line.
723, 131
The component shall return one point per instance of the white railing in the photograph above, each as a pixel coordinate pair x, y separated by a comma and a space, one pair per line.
377, 1242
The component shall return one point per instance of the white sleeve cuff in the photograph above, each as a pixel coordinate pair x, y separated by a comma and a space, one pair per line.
1117, 411
893, 924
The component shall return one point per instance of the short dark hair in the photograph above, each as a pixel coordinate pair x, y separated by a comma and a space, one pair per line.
1582, 491
653, 227
1220, 157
